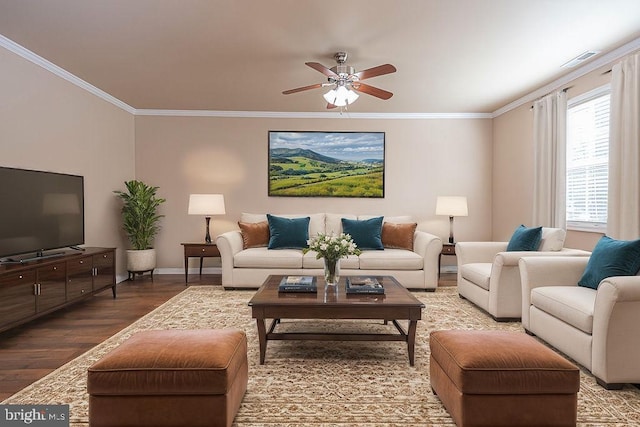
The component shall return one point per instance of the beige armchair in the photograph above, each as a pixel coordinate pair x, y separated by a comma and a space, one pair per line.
489, 276
596, 328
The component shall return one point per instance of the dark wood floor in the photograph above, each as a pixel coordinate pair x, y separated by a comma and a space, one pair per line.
31, 351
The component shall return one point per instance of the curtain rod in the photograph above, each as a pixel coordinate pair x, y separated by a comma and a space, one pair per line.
539, 98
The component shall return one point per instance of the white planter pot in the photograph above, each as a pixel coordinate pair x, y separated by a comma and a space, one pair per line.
142, 260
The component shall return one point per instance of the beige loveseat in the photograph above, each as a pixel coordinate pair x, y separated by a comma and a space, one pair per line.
249, 267
489, 276
596, 328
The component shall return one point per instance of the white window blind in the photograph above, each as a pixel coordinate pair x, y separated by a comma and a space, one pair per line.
588, 160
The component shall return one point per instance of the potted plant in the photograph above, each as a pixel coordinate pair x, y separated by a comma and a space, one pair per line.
140, 222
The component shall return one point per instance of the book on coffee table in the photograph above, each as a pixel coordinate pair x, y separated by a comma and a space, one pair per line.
364, 285
298, 284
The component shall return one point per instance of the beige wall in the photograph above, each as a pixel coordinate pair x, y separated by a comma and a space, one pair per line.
424, 159
513, 166
47, 123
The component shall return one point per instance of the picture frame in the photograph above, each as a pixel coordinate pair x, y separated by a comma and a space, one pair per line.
326, 164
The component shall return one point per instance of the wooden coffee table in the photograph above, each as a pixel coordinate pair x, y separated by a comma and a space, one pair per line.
396, 304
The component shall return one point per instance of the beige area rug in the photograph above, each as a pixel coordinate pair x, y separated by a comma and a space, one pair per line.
324, 383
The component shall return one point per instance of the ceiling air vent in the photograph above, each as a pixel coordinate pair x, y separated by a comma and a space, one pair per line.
579, 59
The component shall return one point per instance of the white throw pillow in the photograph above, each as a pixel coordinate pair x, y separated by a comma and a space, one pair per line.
552, 239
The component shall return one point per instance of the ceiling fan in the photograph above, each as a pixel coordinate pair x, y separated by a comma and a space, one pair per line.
346, 83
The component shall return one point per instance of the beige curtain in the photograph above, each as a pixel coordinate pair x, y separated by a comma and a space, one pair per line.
550, 164
623, 216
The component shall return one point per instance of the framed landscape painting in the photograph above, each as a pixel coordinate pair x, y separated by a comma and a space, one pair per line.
326, 164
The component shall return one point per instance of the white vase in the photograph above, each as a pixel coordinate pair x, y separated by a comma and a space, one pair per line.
141, 260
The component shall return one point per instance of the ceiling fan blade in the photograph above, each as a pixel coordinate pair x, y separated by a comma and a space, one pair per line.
319, 67
370, 90
375, 71
330, 106
300, 89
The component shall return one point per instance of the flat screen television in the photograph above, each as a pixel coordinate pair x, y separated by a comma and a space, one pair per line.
39, 211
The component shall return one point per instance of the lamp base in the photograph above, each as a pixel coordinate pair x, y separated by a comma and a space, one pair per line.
207, 237
451, 230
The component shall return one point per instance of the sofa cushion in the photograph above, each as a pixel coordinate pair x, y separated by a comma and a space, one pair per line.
571, 304
525, 239
611, 258
254, 234
309, 260
267, 258
401, 219
391, 259
288, 233
352, 262
478, 273
366, 234
398, 236
552, 239
251, 217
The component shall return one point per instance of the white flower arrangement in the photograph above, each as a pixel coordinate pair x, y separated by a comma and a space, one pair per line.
332, 247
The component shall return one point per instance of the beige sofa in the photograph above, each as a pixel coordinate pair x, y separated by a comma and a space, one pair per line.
249, 267
489, 276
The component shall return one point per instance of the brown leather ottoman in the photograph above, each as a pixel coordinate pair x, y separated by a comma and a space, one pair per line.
496, 378
170, 378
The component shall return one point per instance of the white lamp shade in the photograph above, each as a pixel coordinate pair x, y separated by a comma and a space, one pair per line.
452, 206
206, 204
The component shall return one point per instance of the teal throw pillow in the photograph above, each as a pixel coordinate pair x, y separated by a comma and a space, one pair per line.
611, 258
288, 233
525, 239
366, 234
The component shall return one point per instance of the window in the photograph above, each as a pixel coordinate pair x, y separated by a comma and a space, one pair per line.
588, 160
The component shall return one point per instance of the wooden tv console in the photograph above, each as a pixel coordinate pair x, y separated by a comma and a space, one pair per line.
32, 289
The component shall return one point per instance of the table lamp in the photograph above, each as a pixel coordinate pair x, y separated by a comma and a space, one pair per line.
207, 205
451, 206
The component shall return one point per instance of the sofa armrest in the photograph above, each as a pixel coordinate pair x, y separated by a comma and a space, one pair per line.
229, 244
429, 247
616, 342
548, 271
472, 252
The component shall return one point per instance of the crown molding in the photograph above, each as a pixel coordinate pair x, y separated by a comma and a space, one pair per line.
311, 115
600, 61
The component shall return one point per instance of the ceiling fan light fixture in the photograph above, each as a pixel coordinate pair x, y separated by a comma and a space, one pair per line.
345, 82
341, 96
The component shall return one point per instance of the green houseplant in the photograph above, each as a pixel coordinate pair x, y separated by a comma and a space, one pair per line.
140, 223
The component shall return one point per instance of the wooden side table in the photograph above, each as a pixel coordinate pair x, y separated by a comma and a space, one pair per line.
447, 249
198, 250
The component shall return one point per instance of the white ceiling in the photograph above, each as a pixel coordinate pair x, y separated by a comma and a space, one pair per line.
452, 56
